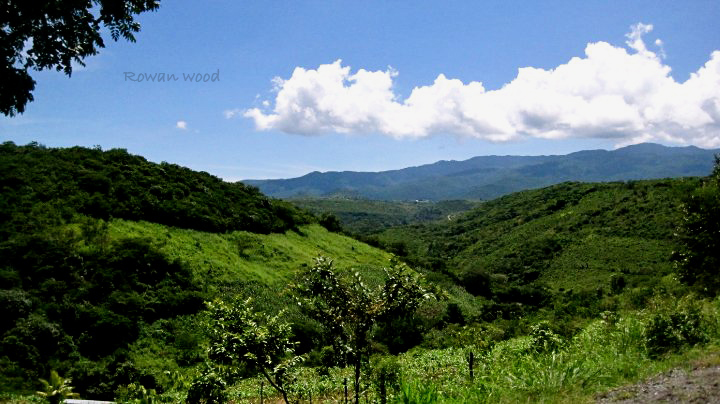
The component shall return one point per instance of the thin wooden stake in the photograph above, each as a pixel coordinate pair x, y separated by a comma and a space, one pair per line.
471, 365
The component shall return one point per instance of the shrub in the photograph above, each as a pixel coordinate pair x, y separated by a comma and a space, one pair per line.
385, 375
418, 393
617, 283
208, 388
544, 339
668, 332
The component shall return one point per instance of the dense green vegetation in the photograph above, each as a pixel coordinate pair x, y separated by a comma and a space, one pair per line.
363, 217
698, 257
110, 302
557, 293
571, 244
77, 306
117, 184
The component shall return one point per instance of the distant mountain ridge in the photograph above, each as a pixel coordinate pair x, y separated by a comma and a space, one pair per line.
488, 177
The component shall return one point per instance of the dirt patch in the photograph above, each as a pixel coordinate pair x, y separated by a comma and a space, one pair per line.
698, 385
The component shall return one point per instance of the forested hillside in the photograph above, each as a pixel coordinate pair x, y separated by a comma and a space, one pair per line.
488, 177
572, 236
103, 269
117, 184
363, 217
123, 292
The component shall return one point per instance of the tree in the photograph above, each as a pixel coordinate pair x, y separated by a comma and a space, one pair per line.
348, 309
57, 389
698, 258
53, 34
239, 334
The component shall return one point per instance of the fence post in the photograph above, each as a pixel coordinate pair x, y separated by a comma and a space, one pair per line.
471, 363
261, 392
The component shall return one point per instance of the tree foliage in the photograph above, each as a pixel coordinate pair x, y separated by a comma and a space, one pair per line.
57, 389
72, 300
54, 35
115, 183
238, 334
698, 259
349, 309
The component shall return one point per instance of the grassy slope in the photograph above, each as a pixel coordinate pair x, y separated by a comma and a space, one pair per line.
236, 264
235, 241
242, 256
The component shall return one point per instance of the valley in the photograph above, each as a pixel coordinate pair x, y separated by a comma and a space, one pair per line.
558, 293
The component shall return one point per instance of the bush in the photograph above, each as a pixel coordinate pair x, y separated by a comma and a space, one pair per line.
544, 339
668, 332
330, 222
385, 375
698, 258
208, 388
617, 283
476, 281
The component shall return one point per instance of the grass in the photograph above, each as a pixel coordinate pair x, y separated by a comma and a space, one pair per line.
235, 264
239, 256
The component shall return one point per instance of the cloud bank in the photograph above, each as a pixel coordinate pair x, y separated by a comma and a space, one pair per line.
618, 93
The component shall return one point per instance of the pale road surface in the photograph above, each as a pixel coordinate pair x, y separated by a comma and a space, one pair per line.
698, 385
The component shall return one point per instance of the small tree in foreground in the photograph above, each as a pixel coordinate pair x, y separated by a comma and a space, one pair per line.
348, 309
57, 389
239, 334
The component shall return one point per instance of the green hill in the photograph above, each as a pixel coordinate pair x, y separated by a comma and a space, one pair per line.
104, 266
531, 247
105, 283
117, 184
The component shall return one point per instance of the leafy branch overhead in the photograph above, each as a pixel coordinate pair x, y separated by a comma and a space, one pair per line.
54, 35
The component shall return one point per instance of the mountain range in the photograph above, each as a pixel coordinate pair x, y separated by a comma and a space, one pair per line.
488, 177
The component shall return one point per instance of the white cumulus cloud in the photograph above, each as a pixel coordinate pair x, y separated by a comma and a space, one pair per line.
181, 125
625, 94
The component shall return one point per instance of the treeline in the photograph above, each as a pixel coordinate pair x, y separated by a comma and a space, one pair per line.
114, 183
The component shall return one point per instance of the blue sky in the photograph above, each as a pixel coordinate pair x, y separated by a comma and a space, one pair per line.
438, 81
